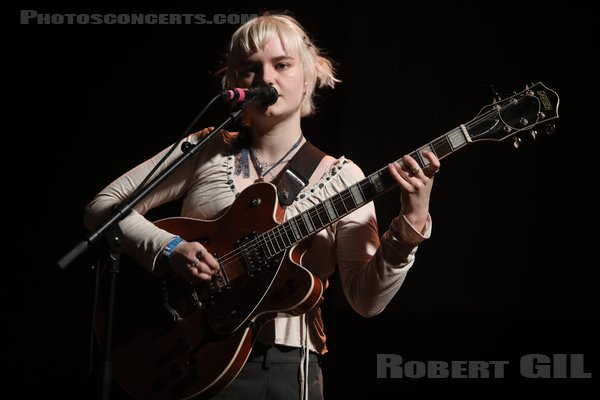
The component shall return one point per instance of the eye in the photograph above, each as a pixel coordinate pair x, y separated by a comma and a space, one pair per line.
247, 71
282, 66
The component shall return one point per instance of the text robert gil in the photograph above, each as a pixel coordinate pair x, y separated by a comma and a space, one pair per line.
530, 366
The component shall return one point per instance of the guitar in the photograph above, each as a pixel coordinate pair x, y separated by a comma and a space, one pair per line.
177, 340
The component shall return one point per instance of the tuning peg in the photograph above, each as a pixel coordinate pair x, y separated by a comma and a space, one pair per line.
517, 142
550, 129
497, 97
534, 134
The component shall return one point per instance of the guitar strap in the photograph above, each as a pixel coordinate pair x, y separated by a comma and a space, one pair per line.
298, 172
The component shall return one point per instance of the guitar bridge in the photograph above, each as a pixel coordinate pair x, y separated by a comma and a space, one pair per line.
219, 280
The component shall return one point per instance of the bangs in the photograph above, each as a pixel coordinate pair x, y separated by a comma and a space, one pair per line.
255, 36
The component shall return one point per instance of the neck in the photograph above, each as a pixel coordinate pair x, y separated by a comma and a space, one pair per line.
274, 141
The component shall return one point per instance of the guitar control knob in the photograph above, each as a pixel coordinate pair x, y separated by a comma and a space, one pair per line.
550, 129
523, 121
517, 142
256, 202
534, 133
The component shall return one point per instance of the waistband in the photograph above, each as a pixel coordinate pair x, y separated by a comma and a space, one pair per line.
278, 354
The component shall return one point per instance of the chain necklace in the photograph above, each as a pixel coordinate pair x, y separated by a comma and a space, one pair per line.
263, 168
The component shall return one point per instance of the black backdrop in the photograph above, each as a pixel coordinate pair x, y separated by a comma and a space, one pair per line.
499, 279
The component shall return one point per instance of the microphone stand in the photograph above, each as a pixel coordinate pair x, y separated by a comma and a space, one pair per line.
111, 233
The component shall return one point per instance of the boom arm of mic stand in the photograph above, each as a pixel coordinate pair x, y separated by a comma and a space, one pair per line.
122, 210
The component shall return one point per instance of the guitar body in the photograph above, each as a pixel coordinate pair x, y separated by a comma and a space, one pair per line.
176, 340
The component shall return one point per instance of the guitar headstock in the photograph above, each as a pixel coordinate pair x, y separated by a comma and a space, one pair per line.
534, 107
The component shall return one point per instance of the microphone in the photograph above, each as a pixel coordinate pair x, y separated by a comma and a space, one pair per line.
265, 93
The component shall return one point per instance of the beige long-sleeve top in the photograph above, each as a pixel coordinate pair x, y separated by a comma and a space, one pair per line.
371, 269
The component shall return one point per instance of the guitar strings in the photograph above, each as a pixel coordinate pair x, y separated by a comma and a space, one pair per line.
270, 236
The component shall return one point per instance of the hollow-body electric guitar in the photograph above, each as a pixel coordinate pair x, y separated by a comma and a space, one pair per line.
178, 340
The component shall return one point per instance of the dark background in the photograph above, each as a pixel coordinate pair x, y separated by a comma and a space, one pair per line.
502, 275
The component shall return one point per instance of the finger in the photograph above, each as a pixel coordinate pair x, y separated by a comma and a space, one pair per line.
201, 266
434, 164
197, 274
200, 270
402, 177
203, 255
411, 165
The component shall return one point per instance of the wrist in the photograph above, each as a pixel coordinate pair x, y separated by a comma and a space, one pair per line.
170, 247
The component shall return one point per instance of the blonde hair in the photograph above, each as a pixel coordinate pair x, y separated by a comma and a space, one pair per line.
256, 33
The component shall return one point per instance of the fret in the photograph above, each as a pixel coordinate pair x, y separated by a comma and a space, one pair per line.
357, 195
295, 230
359, 185
386, 179
338, 204
419, 158
442, 146
367, 188
264, 247
330, 210
315, 219
283, 236
325, 220
297, 221
273, 239
348, 200
424, 161
431, 147
456, 139
269, 242
287, 229
278, 238
302, 225
375, 180
307, 223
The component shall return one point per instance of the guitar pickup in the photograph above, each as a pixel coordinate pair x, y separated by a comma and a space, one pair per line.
252, 253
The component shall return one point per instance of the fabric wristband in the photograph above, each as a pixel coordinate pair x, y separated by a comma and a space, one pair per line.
168, 250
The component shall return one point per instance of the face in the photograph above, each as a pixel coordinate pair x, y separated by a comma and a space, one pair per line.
273, 66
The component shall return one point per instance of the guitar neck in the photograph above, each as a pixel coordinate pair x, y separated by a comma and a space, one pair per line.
310, 221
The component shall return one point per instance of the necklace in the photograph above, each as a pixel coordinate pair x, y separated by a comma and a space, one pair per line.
263, 168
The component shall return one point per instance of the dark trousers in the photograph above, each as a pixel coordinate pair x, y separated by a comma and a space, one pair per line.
274, 373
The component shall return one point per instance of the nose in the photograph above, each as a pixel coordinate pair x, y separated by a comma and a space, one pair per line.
268, 75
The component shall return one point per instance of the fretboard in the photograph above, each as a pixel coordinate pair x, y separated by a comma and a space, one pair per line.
310, 221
